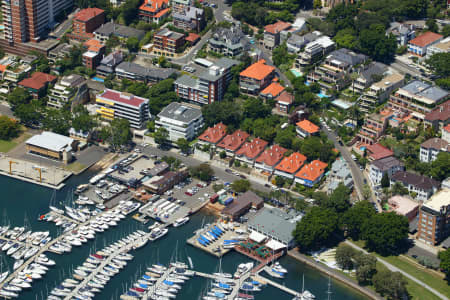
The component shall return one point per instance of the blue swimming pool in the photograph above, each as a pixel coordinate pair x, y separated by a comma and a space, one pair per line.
296, 73
98, 79
322, 95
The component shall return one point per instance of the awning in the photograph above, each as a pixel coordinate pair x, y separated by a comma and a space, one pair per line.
275, 246
257, 237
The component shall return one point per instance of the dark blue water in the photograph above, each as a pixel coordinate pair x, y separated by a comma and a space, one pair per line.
20, 200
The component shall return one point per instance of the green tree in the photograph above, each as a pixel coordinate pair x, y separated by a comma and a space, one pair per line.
339, 200
254, 108
120, 132
29, 114
375, 43
432, 25
57, 121
366, 192
385, 233
161, 136
439, 63
129, 11
18, 96
355, 216
314, 230
366, 267
440, 167
203, 172
344, 257
240, 186
183, 144
444, 256
82, 120
230, 113
222, 154
347, 38
132, 44
280, 55
445, 30
9, 128
399, 189
385, 182
392, 285
280, 181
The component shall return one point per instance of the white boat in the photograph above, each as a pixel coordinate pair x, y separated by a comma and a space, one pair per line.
56, 210
140, 243
180, 221
30, 252
43, 260
3, 276
8, 295
158, 232
81, 188
223, 275
277, 267
18, 263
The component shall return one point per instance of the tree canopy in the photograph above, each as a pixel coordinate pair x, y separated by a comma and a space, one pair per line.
203, 172
444, 256
240, 186
9, 128
354, 218
392, 285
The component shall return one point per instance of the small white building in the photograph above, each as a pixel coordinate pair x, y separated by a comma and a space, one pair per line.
446, 133
431, 148
379, 167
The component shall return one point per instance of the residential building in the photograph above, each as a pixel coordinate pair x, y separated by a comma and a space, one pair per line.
191, 18
85, 22
403, 33
272, 91
227, 41
368, 75
71, 89
51, 145
167, 43
430, 149
404, 206
340, 173
439, 116
420, 44
241, 205
378, 151
314, 51
335, 70
37, 83
181, 121
442, 47
15, 72
113, 104
94, 54
311, 174
59, 52
295, 43
446, 133
209, 86
192, 38
374, 126
267, 161
213, 135
388, 165
137, 72
105, 31
29, 21
154, 11
249, 151
423, 186
180, 5
256, 77
232, 142
378, 92
417, 98
306, 128
434, 218
284, 102
290, 165
272, 34
108, 63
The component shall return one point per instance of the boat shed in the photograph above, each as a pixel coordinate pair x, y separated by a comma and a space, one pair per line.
52, 145
241, 205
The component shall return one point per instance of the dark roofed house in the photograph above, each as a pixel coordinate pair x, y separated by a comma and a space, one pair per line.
430, 149
104, 32
108, 63
137, 72
439, 117
368, 75
423, 186
37, 83
242, 205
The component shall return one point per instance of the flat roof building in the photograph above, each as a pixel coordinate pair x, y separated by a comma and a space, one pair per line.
434, 218
404, 206
133, 71
241, 205
51, 145
105, 31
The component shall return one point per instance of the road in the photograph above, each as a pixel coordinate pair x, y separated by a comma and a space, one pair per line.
403, 68
5, 110
395, 269
62, 28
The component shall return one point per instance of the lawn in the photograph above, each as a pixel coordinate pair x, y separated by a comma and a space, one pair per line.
6, 146
75, 167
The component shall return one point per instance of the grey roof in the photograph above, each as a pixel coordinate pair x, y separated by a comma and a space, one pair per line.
170, 34
186, 80
29, 59
112, 28
226, 63
63, 48
72, 78
159, 73
252, 197
188, 14
374, 68
416, 180
274, 222
211, 74
347, 56
180, 112
387, 163
51, 141
112, 59
231, 35
423, 89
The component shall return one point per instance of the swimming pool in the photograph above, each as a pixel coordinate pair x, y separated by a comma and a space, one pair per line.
322, 95
296, 73
98, 79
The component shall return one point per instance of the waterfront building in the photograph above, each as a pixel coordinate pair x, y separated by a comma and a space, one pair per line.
51, 145
181, 121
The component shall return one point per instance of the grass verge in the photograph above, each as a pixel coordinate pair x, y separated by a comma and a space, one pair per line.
6, 146
75, 167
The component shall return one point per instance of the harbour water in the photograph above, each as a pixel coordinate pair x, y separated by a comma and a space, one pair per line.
21, 200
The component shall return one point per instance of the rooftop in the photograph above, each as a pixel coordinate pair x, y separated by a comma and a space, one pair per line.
435, 143
285, 97
133, 68
169, 34
425, 90
180, 112
312, 171
346, 56
439, 200
388, 81
292, 163
153, 5
426, 39
122, 97
112, 28
272, 155
308, 126
93, 45
387, 163
259, 70
86, 14
274, 89
378, 151
242, 201
447, 128
252, 149
416, 180
277, 27
402, 205
51, 141
192, 37
233, 141
37, 81
214, 134
440, 113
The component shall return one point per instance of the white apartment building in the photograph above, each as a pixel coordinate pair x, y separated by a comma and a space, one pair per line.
430, 149
379, 167
70, 88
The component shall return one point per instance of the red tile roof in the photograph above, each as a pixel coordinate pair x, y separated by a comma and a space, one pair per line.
233, 141
161, 13
252, 149
447, 128
153, 5
86, 14
308, 126
271, 155
274, 89
122, 97
292, 163
312, 171
93, 45
285, 97
214, 134
425, 39
37, 81
440, 113
259, 70
378, 151
277, 27
192, 37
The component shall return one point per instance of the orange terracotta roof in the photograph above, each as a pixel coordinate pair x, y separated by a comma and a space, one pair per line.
86, 14
292, 163
233, 141
425, 39
274, 89
192, 37
378, 151
3, 68
277, 27
37, 81
153, 5
312, 171
93, 45
161, 13
259, 70
285, 97
447, 128
252, 149
214, 134
308, 126
271, 155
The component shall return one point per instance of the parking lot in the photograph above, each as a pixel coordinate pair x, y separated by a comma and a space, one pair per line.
107, 193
